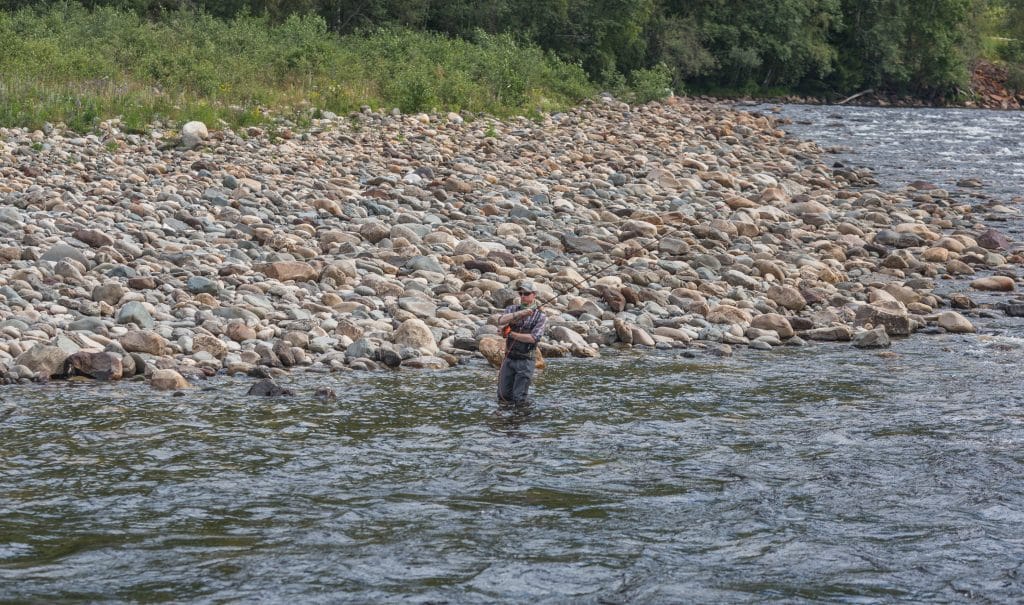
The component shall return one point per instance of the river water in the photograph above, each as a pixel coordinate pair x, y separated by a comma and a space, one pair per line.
822, 474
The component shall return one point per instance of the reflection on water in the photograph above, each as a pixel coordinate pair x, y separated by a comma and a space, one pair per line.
821, 474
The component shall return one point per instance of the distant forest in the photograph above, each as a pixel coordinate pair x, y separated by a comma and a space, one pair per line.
242, 62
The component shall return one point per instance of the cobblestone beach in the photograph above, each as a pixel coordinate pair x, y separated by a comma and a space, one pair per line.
379, 241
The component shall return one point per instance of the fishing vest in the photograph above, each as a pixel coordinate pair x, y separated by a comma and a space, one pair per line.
522, 350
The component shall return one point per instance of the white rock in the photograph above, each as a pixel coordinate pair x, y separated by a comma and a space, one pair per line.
193, 134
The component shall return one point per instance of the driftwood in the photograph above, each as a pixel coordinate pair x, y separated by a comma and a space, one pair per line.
859, 94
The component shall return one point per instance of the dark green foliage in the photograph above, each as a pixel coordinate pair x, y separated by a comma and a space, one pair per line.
764, 43
639, 48
903, 46
1011, 15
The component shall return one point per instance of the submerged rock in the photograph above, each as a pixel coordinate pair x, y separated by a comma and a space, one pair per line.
872, 339
269, 388
168, 380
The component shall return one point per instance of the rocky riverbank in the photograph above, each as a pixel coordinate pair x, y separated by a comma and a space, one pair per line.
381, 241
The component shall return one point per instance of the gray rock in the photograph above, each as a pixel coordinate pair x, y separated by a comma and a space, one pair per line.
953, 322
45, 361
198, 284
584, 245
99, 366
193, 134
872, 339
62, 251
1013, 309
133, 312
362, 348
88, 324
831, 333
268, 388
109, 293
424, 263
425, 362
896, 323
416, 334
418, 306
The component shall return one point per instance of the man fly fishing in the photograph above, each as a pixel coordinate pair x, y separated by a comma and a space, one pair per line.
523, 326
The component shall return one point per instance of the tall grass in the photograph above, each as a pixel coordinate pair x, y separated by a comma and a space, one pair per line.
68, 64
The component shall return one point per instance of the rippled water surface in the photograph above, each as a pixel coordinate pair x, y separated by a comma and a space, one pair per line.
820, 474
943, 146
817, 474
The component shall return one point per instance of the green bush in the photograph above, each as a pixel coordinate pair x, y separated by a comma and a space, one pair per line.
1012, 51
72, 65
651, 84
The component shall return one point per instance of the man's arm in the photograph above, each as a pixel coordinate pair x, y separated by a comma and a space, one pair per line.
506, 318
534, 335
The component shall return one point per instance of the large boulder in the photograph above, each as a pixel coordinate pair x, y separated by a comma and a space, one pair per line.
143, 341
829, 333
268, 388
288, 270
787, 297
134, 312
896, 321
109, 293
638, 336
415, 334
728, 314
61, 251
493, 349
564, 334
168, 380
994, 240
775, 322
425, 362
210, 344
193, 134
994, 283
951, 321
872, 339
100, 366
45, 361
93, 237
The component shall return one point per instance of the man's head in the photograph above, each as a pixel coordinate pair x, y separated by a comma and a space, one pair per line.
527, 292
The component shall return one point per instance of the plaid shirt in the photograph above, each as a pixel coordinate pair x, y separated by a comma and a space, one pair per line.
534, 324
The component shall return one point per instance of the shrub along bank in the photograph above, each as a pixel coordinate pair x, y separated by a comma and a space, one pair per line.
76, 66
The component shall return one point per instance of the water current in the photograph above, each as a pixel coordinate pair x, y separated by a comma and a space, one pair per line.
821, 474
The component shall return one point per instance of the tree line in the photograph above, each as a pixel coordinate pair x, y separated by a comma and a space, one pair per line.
826, 48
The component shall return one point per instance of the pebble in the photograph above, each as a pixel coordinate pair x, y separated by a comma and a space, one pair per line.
373, 242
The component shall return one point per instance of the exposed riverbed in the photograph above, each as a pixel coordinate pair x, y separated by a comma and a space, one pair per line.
812, 474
